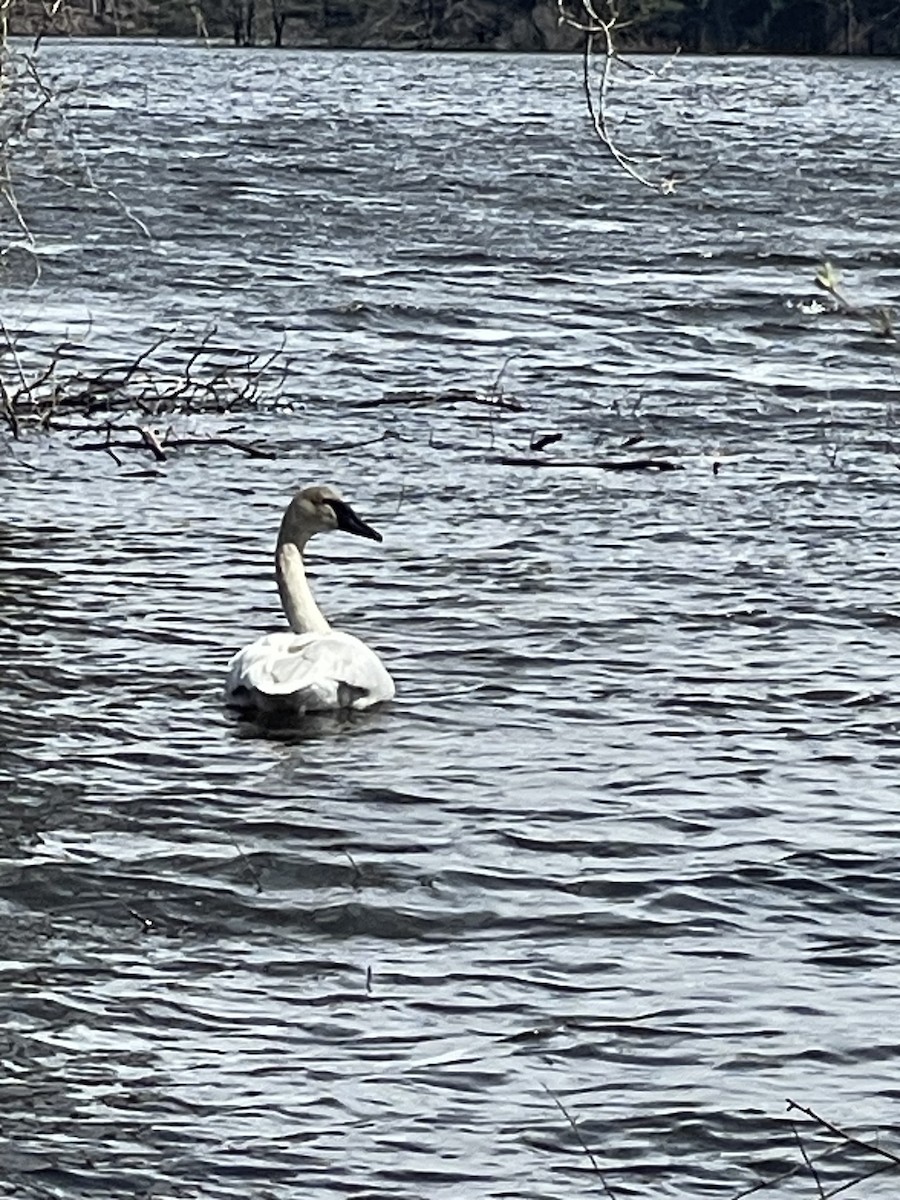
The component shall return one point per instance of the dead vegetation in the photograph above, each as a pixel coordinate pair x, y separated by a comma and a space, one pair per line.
832, 1160
495, 403
144, 406
61, 395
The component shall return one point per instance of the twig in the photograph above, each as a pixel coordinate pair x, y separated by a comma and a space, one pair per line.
254, 874
843, 1187
573, 1125
495, 389
50, 11
490, 399
11, 347
497, 396
764, 1184
846, 1139
7, 191
850, 1138
806, 1159
357, 873
146, 923
151, 441
598, 29
35, 98
9, 412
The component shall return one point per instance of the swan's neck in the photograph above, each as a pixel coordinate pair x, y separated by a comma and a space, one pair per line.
300, 608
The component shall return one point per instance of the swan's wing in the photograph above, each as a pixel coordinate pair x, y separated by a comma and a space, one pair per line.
308, 672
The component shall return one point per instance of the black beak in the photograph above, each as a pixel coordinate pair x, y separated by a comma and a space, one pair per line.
349, 522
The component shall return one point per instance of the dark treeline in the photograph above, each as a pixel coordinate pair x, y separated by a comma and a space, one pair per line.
701, 26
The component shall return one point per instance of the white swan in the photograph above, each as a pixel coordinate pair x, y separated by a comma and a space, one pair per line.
314, 668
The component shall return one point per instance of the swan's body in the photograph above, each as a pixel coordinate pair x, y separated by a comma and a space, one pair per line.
307, 672
314, 668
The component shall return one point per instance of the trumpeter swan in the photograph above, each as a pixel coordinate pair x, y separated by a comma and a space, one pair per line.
314, 668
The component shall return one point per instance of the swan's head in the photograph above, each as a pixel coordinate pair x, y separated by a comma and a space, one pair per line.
319, 510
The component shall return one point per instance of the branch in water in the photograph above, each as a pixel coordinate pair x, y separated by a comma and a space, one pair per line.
600, 37
600, 464
490, 399
150, 440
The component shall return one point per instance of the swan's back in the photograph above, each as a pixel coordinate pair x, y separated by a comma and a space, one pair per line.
301, 673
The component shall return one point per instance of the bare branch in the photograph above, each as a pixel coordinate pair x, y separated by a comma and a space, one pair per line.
600, 37
62, 394
415, 396
850, 1138
846, 1139
806, 1159
149, 440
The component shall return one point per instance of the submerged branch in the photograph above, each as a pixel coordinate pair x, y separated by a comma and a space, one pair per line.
600, 464
845, 1141
493, 398
60, 395
149, 439
850, 1139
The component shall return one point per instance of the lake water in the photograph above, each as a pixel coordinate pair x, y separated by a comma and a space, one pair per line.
628, 840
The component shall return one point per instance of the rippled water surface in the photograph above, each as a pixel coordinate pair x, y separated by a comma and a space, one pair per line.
628, 838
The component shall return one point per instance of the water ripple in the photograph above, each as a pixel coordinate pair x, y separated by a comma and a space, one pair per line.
629, 831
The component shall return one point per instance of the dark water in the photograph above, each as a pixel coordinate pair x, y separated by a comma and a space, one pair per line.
629, 834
